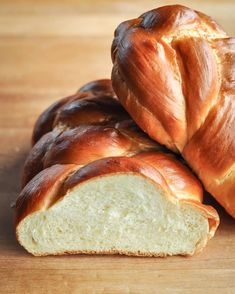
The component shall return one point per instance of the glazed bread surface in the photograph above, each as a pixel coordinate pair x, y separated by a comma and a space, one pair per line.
95, 183
174, 72
114, 205
84, 127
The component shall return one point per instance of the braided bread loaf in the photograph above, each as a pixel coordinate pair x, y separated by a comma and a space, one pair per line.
95, 183
174, 72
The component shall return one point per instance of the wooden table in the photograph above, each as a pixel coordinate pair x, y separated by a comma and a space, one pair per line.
47, 50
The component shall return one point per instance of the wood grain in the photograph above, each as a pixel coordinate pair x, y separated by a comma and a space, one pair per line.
47, 50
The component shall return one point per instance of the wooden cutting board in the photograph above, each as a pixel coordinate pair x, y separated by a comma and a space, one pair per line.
47, 50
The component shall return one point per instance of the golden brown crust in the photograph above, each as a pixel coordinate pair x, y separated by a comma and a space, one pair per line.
35, 160
42, 190
95, 110
71, 108
90, 140
84, 144
99, 87
84, 127
178, 177
174, 73
165, 172
44, 123
114, 165
163, 169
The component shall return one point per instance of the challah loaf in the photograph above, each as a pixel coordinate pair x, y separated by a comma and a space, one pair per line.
101, 185
84, 127
174, 72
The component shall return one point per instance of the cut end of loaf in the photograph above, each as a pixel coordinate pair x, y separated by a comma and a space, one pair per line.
123, 213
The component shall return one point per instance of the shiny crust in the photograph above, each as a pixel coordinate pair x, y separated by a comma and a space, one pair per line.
164, 170
74, 110
76, 149
53, 183
42, 190
83, 128
82, 145
173, 71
